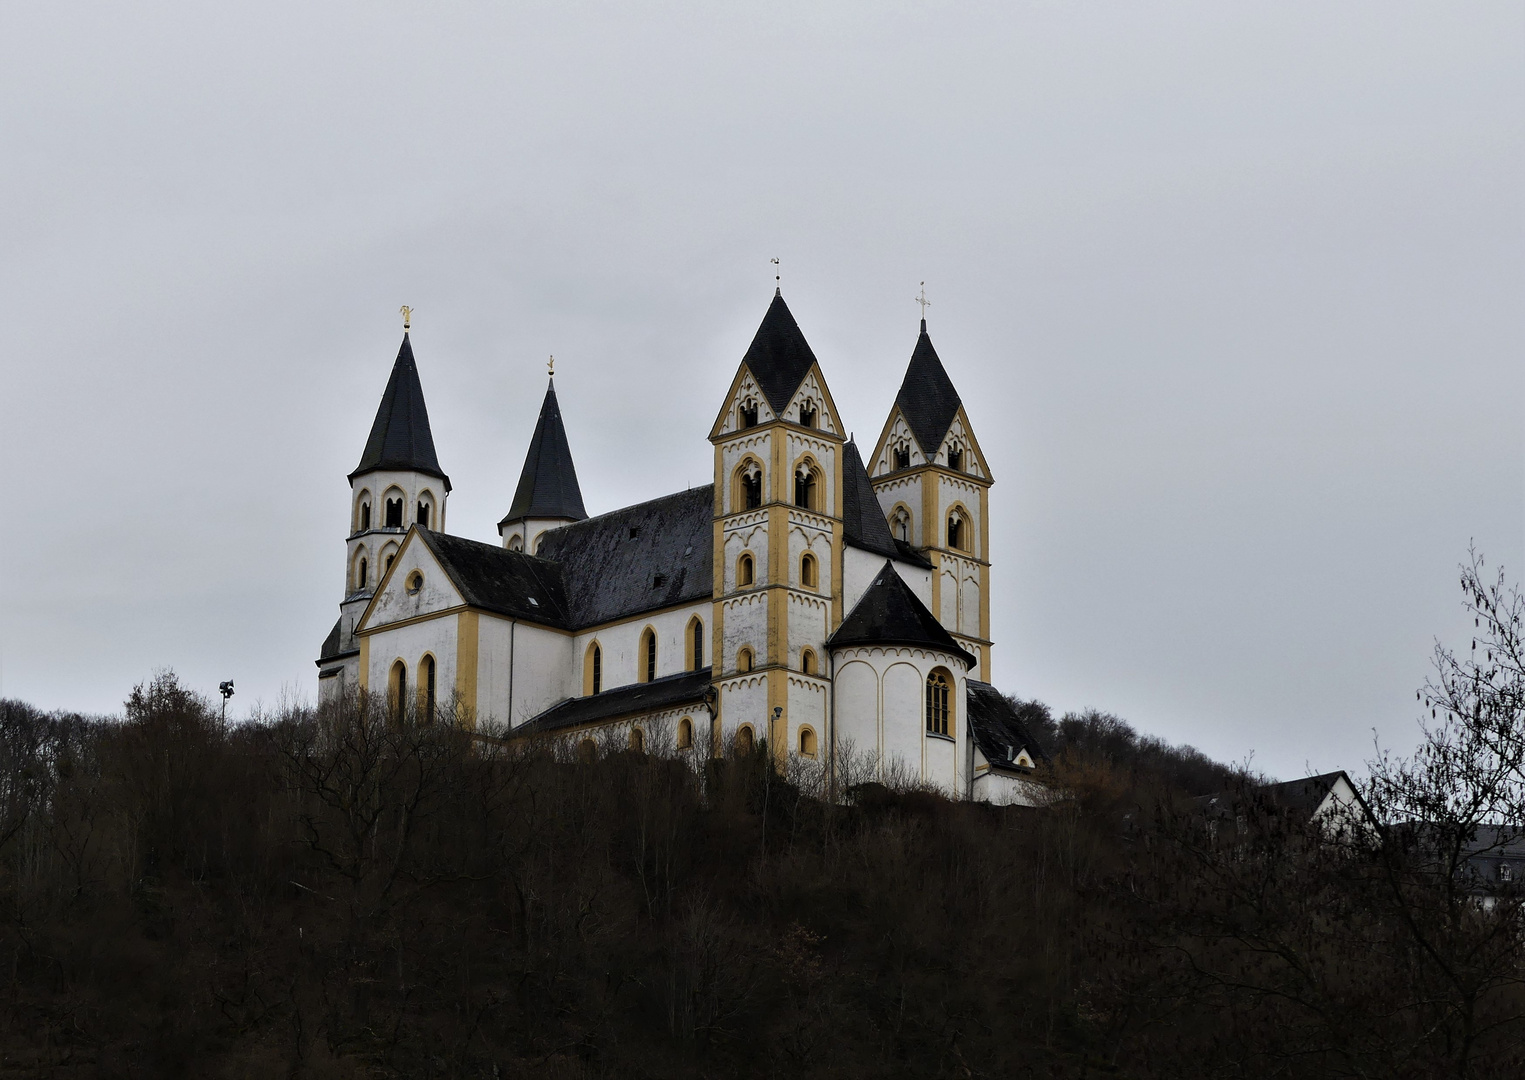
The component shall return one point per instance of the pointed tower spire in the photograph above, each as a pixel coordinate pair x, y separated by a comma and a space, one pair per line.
779, 356
548, 488
927, 397
400, 436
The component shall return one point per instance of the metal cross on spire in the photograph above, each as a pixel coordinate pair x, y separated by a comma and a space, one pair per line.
923, 301
407, 315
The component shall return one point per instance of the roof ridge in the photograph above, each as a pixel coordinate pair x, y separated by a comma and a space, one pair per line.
632, 506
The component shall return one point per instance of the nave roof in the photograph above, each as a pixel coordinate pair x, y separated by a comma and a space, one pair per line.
495, 579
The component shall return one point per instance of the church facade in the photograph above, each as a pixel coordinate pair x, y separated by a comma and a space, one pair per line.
832, 604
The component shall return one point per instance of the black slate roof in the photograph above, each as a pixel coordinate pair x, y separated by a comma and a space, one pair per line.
400, 435
779, 357
548, 483
889, 613
510, 583
668, 692
927, 398
863, 522
1305, 794
997, 729
330, 649
651, 555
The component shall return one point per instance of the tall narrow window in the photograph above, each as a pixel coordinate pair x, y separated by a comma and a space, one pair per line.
685, 734
360, 574
423, 514
937, 703
744, 572
649, 655
637, 740
749, 492
390, 557
807, 414
365, 516
955, 457
744, 659
697, 632
804, 487
807, 571
394, 513
399, 691
807, 661
428, 689
902, 456
955, 531
744, 740
596, 661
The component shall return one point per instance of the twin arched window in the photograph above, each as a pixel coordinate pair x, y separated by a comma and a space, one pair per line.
749, 485
746, 414
808, 415
938, 704
394, 513
956, 457
902, 456
958, 531
805, 486
900, 524
363, 521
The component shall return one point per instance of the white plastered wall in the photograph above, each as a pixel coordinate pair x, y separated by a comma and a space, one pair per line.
621, 646
859, 568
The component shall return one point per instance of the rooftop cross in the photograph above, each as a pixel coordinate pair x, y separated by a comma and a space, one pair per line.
923, 301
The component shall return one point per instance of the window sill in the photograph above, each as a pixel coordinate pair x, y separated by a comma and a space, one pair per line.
942, 738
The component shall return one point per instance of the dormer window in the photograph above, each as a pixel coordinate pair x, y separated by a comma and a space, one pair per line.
807, 414
902, 456
956, 457
746, 416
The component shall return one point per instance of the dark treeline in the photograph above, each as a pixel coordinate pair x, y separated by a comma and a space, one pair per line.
331, 894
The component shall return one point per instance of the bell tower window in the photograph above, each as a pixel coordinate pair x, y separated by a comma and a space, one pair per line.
746, 416
902, 456
365, 516
361, 573
423, 514
804, 487
956, 457
956, 537
808, 415
900, 525
750, 482
394, 514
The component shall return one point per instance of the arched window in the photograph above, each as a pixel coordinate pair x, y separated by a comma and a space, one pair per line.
363, 516
637, 740
956, 531
399, 691
746, 415
423, 513
744, 573
748, 494
428, 677
807, 742
362, 573
685, 734
956, 457
648, 655
587, 750
808, 415
394, 513
516, 542
807, 661
745, 740
804, 486
593, 670
744, 659
695, 644
903, 456
807, 571
900, 524
938, 686
391, 555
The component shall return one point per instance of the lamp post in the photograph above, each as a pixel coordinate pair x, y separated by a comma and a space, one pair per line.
226, 690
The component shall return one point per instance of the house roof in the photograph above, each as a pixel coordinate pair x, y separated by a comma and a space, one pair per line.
889, 613
1306, 794
997, 728
668, 692
779, 356
548, 482
652, 555
492, 578
863, 522
927, 398
400, 436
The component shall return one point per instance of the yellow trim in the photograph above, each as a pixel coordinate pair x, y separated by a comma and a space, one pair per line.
730, 399
799, 739
412, 619
884, 437
989, 477
587, 668
957, 505
365, 664
808, 558
814, 668
647, 671
689, 661
467, 628
745, 557
678, 738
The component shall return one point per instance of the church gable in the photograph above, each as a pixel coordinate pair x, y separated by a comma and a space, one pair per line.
416, 585
897, 447
960, 445
812, 406
745, 406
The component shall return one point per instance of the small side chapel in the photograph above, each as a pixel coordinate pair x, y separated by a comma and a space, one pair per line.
835, 605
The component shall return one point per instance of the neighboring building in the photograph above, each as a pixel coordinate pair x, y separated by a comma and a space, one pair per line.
836, 611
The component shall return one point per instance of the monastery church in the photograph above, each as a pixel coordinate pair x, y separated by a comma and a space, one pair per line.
830, 603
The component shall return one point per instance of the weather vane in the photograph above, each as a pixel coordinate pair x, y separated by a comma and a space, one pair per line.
407, 315
551, 366
923, 301
778, 275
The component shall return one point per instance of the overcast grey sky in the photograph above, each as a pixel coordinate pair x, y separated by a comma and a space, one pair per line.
1232, 293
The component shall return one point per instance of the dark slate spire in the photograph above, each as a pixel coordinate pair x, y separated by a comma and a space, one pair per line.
889, 613
779, 356
548, 485
863, 522
927, 397
400, 437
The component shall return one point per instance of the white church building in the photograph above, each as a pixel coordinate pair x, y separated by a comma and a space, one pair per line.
829, 603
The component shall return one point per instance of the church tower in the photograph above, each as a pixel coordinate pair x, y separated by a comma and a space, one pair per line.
778, 539
397, 484
933, 483
548, 495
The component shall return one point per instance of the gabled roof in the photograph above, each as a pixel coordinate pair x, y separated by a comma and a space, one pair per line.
889, 613
997, 728
400, 435
1307, 794
668, 692
651, 555
779, 357
927, 398
494, 579
548, 483
863, 522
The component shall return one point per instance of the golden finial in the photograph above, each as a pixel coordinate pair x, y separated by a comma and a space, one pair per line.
551, 366
407, 316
